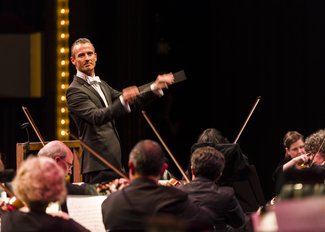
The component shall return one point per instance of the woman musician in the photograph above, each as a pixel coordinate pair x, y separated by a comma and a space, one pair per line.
304, 161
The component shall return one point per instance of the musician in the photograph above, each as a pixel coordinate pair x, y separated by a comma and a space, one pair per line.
207, 165
133, 207
237, 169
63, 156
315, 145
39, 181
312, 172
94, 106
236, 161
295, 154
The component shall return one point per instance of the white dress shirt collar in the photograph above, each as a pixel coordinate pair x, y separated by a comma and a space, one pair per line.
89, 79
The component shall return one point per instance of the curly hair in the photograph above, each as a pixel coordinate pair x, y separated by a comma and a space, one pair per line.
39, 181
314, 142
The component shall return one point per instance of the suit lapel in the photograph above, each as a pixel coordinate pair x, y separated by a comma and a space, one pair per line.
106, 93
88, 88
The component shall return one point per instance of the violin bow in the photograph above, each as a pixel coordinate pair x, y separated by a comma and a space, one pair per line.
250, 114
167, 149
6, 189
31, 121
99, 157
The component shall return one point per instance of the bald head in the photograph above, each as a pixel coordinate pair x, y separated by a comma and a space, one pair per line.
147, 158
60, 152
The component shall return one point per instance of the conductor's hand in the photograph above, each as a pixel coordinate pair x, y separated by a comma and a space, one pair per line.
162, 81
130, 93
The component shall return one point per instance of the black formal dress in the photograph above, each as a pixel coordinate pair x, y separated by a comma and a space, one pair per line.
135, 205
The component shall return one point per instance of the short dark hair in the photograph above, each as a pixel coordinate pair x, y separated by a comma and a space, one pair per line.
147, 157
207, 162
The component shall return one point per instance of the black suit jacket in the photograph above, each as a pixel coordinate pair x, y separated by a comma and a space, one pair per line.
221, 200
96, 122
17, 221
132, 207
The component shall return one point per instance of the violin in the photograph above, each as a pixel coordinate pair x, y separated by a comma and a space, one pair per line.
14, 204
106, 188
172, 182
304, 161
11, 205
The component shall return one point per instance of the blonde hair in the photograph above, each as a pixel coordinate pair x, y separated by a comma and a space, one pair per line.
39, 180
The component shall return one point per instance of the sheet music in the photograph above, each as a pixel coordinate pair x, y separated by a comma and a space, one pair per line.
87, 211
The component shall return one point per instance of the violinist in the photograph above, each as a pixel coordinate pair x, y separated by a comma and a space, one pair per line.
39, 181
237, 168
315, 145
236, 161
134, 206
295, 156
207, 165
311, 173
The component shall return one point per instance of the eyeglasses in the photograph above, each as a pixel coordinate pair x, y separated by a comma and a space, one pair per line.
70, 165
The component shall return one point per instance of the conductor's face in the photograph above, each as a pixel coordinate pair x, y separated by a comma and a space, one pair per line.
84, 58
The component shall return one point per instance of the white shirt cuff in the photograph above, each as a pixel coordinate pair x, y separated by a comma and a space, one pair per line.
126, 106
158, 92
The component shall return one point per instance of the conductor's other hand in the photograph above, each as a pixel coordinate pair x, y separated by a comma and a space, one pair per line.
162, 81
130, 93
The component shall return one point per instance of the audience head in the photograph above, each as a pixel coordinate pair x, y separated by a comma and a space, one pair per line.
147, 159
212, 135
293, 143
61, 153
39, 181
207, 162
